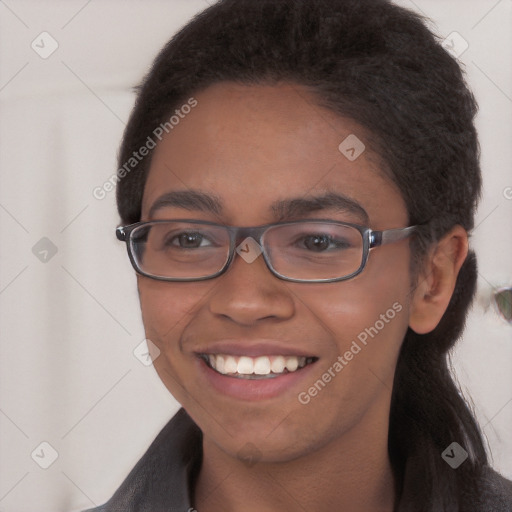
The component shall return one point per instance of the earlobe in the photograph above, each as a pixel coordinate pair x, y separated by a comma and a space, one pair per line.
436, 281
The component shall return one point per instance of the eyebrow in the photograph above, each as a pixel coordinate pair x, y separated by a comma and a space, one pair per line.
195, 200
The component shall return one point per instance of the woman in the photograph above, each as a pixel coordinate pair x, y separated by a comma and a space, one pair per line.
296, 186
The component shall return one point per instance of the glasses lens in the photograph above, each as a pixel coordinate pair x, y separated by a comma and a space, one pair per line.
503, 300
314, 250
180, 250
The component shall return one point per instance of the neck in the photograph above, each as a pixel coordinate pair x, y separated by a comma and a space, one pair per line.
352, 472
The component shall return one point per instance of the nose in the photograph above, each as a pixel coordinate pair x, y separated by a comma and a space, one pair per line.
249, 292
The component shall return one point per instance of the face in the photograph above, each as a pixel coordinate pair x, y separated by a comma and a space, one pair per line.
250, 148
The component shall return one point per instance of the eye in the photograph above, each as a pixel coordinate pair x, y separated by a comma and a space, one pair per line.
322, 242
187, 240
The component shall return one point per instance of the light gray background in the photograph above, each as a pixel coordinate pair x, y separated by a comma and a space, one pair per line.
69, 326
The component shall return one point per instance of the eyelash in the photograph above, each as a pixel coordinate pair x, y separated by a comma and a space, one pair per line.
340, 244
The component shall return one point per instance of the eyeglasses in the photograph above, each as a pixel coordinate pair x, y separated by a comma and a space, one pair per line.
314, 251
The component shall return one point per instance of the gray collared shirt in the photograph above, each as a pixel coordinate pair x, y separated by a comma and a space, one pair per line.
164, 478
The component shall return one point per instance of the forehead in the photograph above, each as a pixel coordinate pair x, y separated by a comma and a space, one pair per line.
252, 146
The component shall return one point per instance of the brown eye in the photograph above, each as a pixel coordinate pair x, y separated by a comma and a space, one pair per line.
187, 240
320, 243
317, 243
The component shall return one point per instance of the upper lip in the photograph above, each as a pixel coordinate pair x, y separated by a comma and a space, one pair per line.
252, 348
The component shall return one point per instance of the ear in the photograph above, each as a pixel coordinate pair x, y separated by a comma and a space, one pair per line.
436, 281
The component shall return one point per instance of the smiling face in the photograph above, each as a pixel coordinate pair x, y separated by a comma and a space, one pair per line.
261, 154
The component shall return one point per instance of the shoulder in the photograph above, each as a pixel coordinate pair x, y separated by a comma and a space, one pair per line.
161, 478
495, 492
488, 492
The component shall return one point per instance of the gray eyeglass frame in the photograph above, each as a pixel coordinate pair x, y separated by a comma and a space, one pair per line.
371, 239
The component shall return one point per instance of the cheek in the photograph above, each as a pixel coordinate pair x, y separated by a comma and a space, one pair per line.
167, 308
366, 325
371, 323
368, 315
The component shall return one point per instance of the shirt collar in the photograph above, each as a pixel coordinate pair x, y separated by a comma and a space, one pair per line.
164, 478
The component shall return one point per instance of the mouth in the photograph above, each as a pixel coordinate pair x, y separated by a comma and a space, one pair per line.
256, 368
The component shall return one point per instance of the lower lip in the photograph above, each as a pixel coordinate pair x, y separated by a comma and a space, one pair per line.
253, 389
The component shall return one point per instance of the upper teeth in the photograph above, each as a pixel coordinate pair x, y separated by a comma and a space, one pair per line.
262, 365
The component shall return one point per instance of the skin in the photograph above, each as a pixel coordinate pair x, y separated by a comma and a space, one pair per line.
251, 146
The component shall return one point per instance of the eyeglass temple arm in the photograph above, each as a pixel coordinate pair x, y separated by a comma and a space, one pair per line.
390, 235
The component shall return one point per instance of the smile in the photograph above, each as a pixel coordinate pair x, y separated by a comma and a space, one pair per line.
261, 367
